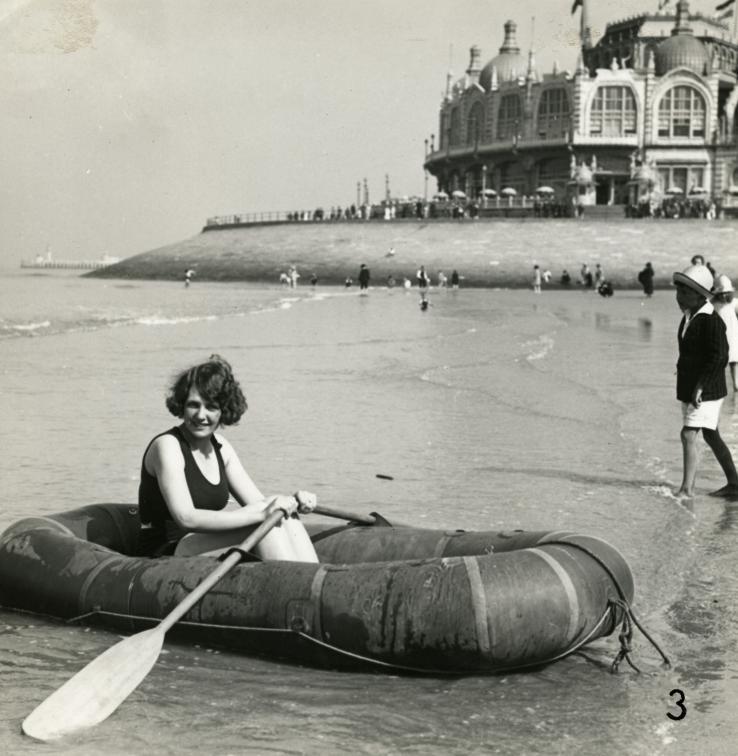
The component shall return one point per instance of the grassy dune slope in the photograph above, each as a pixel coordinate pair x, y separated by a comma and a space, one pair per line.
486, 253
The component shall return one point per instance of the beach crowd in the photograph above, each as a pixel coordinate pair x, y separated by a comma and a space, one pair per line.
674, 207
539, 206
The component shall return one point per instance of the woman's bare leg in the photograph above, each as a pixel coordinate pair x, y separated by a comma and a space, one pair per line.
286, 541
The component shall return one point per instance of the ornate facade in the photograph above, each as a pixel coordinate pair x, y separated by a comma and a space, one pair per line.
651, 108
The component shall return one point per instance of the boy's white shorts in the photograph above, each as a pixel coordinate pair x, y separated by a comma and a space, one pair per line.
704, 416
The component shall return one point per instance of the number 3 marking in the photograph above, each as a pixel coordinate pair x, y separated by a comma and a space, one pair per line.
679, 703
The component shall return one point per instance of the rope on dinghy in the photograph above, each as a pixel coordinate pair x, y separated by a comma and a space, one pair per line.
625, 636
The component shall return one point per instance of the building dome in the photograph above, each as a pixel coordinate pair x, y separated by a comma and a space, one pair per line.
682, 49
509, 64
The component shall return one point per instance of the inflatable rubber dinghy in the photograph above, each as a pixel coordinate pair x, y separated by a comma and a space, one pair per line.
399, 598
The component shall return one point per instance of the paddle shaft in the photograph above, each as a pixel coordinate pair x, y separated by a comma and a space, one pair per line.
341, 514
98, 689
225, 567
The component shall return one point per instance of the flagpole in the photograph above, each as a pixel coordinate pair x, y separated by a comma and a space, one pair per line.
583, 25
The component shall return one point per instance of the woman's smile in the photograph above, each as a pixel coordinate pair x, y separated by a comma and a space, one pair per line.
200, 418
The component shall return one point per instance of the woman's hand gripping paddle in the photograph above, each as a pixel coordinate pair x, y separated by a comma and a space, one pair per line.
98, 689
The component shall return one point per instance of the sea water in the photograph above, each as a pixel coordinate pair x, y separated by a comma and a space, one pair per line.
490, 410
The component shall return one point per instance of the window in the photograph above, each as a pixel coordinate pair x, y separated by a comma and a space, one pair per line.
553, 113
454, 136
474, 124
682, 113
679, 179
686, 178
512, 175
553, 171
509, 117
696, 178
613, 112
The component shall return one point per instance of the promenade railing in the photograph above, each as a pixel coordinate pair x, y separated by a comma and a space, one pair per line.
440, 208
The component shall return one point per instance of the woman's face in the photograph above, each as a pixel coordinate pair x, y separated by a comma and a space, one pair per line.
200, 419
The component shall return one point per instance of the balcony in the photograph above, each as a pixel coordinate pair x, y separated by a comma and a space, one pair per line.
630, 140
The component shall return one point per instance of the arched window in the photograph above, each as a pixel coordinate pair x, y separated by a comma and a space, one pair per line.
474, 124
682, 113
509, 116
454, 137
613, 112
553, 171
553, 113
512, 175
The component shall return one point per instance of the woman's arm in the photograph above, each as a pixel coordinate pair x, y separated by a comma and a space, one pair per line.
244, 489
164, 460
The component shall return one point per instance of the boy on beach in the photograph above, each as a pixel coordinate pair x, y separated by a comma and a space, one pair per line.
701, 386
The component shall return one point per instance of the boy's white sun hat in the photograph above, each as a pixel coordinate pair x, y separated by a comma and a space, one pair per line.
722, 285
696, 277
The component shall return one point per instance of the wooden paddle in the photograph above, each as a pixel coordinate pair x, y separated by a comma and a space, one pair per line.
97, 690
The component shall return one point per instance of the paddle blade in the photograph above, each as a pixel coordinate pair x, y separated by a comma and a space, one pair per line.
97, 690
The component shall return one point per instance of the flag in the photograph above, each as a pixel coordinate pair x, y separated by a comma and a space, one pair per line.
579, 3
663, 3
725, 4
725, 14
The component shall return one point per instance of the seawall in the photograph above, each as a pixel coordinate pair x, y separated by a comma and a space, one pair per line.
486, 253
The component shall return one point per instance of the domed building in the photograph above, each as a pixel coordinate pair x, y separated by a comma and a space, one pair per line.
509, 65
650, 108
682, 49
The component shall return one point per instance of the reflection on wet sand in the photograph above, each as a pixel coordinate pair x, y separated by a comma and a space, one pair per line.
728, 520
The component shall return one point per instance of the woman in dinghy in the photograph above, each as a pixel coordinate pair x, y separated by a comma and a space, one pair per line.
189, 471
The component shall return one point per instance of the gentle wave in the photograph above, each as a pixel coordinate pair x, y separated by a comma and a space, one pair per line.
27, 327
52, 328
85, 318
159, 320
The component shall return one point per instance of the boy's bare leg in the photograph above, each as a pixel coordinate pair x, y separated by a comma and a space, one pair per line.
691, 455
725, 460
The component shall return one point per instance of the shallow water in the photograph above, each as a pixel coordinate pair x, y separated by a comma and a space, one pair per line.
492, 410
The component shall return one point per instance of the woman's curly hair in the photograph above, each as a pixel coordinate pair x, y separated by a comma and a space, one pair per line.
215, 383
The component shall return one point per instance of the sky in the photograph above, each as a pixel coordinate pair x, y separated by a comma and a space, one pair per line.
124, 124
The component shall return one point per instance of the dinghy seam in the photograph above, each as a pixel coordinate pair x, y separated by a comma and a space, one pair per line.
89, 580
569, 590
316, 594
479, 605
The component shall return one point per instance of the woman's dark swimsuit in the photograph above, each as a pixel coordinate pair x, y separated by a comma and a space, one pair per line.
159, 533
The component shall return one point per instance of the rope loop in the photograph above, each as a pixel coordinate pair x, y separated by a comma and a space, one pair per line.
629, 619
625, 636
